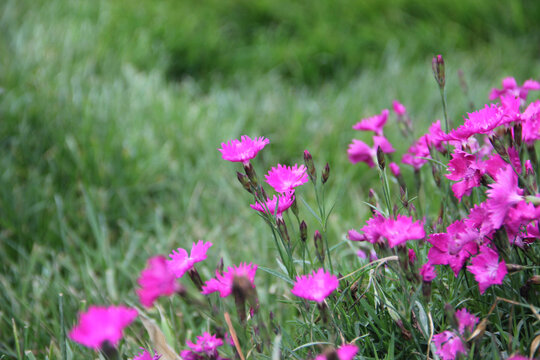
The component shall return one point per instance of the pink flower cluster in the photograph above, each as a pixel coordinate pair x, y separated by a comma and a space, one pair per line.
388, 231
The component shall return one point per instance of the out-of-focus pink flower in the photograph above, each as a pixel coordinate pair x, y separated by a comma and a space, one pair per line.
286, 178
276, 205
531, 123
518, 357
315, 286
145, 355
156, 280
206, 344
100, 324
373, 123
519, 221
394, 168
528, 167
402, 229
448, 345
180, 262
373, 230
435, 137
427, 271
466, 171
243, 150
502, 195
487, 269
466, 321
354, 235
412, 255
510, 87
359, 151
223, 283
417, 154
345, 352
453, 247
398, 107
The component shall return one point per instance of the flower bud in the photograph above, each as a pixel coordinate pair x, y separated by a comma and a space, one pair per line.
303, 231
244, 180
308, 160
294, 207
250, 172
437, 64
518, 131
325, 173
282, 227
196, 278
498, 146
380, 158
319, 246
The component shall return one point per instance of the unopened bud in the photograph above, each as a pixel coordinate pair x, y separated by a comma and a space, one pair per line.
325, 173
404, 197
196, 278
319, 246
436, 175
518, 131
282, 227
303, 231
380, 158
244, 180
294, 207
513, 268
308, 160
535, 280
220, 266
437, 64
250, 172
498, 146
241, 289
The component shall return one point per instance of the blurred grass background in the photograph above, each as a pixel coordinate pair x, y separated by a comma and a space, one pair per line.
111, 113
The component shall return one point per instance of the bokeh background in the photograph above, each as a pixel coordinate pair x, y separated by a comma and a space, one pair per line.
111, 113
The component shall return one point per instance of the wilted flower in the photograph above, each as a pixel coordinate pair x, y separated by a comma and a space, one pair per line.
315, 286
156, 280
286, 178
243, 150
223, 283
180, 262
487, 269
101, 324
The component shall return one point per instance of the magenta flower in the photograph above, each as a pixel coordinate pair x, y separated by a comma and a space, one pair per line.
145, 355
417, 154
276, 205
518, 357
466, 171
286, 178
448, 345
394, 168
180, 262
502, 195
373, 123
315, 286
345, 352
156, 280
531, 123
243, 150
100, 324
402, 229
359, 151
482, 121
398, 107
487, 269
372, 231
466, 321
427, 271
206, 343
510, 87
223, 283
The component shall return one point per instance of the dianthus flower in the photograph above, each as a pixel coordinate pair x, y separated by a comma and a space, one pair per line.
394, 168
520, 223
518, 357
373, 123
223, 283
427, 271
275, 205
417, 154
466, 321
402, 229
483, 121
206, 343
502, 195
286, 178
510, 87
487, 269
180, 262
466, 171
145, 355
359, 151
345, 352
315, 286
243, 150
531, 123
156, 280
101, 324
448, 345
398, 107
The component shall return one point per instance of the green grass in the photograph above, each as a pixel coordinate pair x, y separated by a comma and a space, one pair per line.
107, 159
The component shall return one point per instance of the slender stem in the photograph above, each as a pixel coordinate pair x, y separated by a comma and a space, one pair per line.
62, 327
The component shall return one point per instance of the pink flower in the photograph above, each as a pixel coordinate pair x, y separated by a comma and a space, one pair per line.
373, 123
502, 195
402, 229
145, 355
427, 271
286, 178
399, 109
354, 235
510, 87
394, 168
359, 151
466, 321
206, 344
518, 357
156, 280
417, 153
281, 203
99, 324
223, 283
448, 345
180, 262
345, 352
316, 286
487, 269
482, 121
373, 230
243, 150
531, 123
464, 169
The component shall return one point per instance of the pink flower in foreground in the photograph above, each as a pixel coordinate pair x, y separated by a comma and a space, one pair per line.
518, 357
315, 286
466, 321
510, 87
487, 269
99, 324
243, 150
156, 280
145, 355
223, 283
180, 262
373, 123
448, 345
502, 195
398, 107
276, 205
286, 178
402, 229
